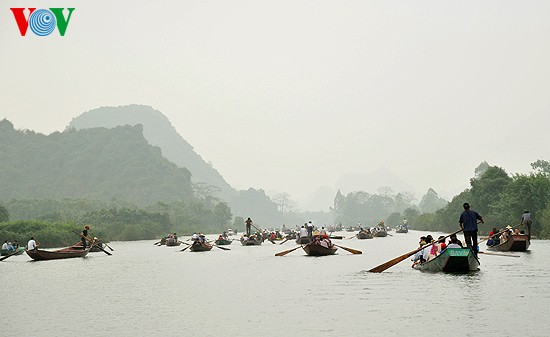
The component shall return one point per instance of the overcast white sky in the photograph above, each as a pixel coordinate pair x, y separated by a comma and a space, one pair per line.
289, 95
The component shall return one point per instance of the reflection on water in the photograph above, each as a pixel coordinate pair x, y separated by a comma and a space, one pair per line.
144, 289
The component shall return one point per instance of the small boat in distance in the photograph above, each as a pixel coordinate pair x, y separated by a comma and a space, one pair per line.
6, 252
514, 243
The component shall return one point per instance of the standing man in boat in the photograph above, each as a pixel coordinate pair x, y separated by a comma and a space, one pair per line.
84, 236
526, 221
248, 223
468, 222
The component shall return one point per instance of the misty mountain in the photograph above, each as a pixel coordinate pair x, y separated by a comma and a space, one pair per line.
97, 164
158, 131
320, 200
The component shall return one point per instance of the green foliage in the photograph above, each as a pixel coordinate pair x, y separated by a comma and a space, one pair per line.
49, 234
4, 214
99, 164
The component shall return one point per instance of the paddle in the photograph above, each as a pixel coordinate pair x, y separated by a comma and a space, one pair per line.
283, 253
351, 250
285, 240
223, 248
156, 243
185, 248
11, 254
497, 254
391, 263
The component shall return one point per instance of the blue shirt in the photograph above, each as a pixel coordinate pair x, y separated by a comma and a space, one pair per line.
468, 219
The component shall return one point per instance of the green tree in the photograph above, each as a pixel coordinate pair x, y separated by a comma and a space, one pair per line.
4, 215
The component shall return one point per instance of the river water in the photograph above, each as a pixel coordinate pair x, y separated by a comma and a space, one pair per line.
144, 290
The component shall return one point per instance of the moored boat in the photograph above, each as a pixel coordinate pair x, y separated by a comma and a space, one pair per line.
6, 252
312, 249
515, 243
458, 260
65, 253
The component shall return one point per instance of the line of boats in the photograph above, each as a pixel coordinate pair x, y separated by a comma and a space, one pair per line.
449, 260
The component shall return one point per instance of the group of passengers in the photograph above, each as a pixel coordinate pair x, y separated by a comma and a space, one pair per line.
321, 238
199, 238
437, 246
496, 237
8, 245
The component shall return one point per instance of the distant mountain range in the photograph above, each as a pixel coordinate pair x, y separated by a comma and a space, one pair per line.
158, 131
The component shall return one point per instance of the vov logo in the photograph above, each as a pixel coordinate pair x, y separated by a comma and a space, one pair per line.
42, 22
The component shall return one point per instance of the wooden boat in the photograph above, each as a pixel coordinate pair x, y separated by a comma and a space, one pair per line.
303, 240
223, 242
172, 242
253, 241
380, 233
401, 229
363, 235
312, 249
6, 252
94, 249
458, 260
65, 253
515, 243
200, 247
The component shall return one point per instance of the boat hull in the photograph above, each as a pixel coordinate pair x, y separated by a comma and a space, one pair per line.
451, 260
251, 242
303, 240
223, 242
515, 243
65, 253
318, 250
205, 247
20, 251
363, 235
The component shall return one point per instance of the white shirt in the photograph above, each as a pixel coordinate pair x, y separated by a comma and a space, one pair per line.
526, 216
303, 232
453, 245
5, 246
31, 245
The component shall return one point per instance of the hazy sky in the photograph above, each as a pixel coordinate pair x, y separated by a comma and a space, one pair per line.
289, 95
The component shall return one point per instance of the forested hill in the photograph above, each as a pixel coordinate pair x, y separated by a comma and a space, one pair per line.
159, 132
97, 164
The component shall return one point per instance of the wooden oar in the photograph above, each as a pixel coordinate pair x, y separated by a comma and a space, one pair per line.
156, 243
497, 254
391, 263
93, 243
9, 255
223, 248
351, 250
285, 240
185, 248
283, 253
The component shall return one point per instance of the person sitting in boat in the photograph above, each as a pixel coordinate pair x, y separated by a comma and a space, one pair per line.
221, 238
441, 242
418, 257
5, 245
493, 238
325, 241
434, 250
454, 242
